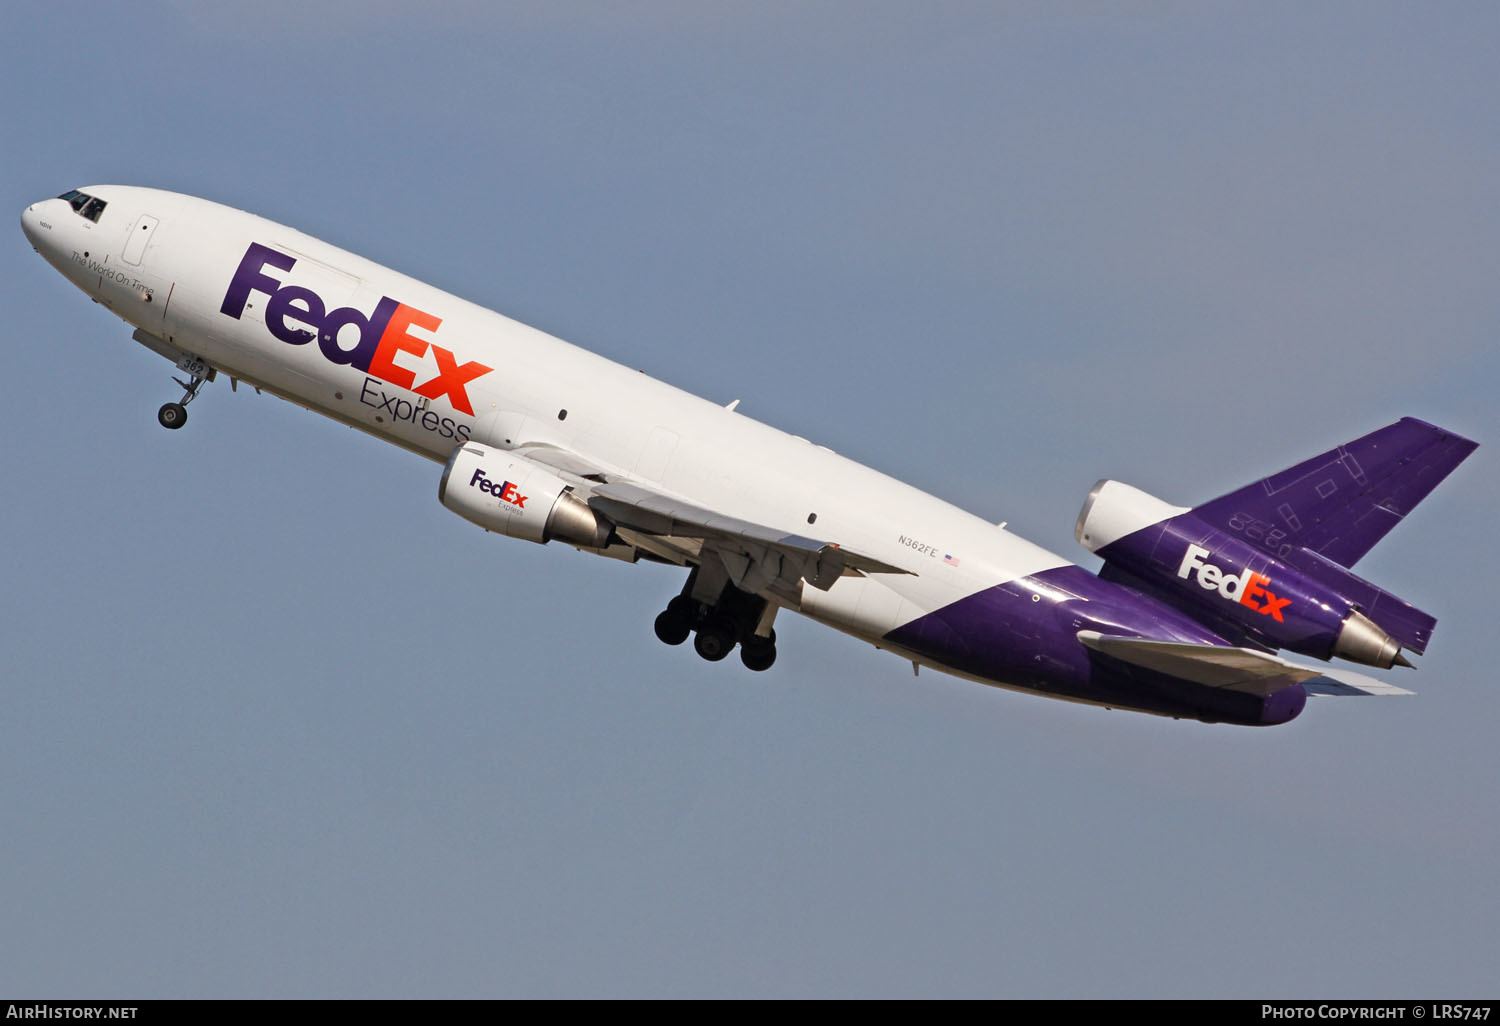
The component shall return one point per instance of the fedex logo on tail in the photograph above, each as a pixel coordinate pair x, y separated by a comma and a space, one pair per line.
1247, 588
296, 315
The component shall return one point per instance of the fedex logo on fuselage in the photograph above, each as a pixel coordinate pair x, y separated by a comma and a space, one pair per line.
1246, 588
296, 315
506, 492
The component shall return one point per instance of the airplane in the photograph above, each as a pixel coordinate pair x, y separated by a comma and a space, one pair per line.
543, 441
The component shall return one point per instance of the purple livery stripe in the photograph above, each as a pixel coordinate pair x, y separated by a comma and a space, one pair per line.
1025, 633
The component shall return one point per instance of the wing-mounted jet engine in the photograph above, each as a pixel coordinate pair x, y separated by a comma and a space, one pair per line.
516, 497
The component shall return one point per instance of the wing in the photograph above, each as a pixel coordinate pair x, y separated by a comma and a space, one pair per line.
756, 556
1233, 669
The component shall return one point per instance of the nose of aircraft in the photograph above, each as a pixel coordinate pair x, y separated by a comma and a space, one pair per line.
46, 225
31, 222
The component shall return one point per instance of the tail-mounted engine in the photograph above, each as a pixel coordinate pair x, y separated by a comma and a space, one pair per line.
516, 497
1296, 600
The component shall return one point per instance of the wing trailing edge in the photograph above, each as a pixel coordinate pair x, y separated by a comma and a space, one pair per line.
756, 555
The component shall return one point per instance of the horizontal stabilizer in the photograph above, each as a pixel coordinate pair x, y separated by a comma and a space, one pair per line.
1232, 669
1214, 666
1338, 683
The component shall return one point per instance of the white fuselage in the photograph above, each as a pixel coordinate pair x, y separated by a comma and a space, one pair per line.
534, 388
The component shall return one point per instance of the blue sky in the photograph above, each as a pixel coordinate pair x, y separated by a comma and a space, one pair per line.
277, 724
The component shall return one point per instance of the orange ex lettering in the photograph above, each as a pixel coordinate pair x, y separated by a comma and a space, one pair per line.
397, 338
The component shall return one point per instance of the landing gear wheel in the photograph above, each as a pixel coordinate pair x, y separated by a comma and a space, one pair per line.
172, 416
673, 626
759, 653
714, 640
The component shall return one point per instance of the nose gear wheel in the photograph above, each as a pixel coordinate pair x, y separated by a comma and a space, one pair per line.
173, 415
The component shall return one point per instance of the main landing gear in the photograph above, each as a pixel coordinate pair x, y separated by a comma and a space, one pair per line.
173, 415
732, 618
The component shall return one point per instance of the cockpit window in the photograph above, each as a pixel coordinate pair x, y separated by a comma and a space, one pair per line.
84, 204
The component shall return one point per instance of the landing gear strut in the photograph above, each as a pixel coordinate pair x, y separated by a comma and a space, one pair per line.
732, 618
173, 415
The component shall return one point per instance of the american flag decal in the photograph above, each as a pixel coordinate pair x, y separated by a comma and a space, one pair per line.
950, 561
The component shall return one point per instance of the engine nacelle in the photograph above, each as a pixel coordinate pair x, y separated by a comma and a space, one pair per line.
1298, 601
516, 497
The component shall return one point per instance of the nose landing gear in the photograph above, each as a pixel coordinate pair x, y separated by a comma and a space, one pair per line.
173, 415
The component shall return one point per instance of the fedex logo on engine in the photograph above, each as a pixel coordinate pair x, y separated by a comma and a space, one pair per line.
296, 315
1247, 588
506, 492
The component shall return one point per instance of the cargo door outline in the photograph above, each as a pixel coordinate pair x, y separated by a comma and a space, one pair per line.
138, 239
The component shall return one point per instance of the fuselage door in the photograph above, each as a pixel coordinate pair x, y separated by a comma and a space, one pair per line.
139, 237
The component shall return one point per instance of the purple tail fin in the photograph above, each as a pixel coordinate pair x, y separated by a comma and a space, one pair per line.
1340, 503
